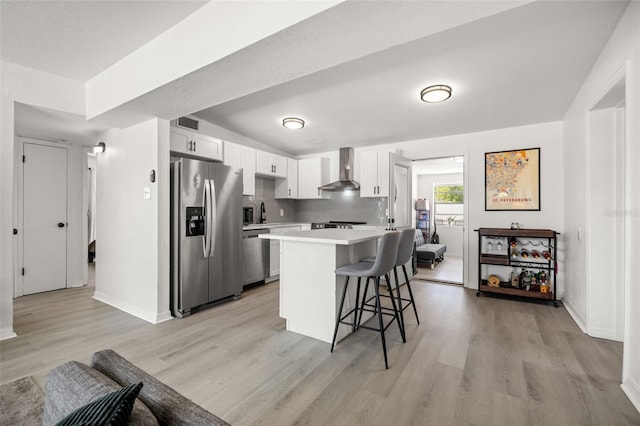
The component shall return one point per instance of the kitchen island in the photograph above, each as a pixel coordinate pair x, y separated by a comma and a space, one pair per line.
309, 288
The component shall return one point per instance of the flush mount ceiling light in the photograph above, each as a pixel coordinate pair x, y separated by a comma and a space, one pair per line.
293, 123
100, 147
436, 93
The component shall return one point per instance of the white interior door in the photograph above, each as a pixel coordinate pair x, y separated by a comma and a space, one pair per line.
44, 212
400, 178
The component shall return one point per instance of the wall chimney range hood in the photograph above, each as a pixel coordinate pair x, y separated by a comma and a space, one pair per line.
346, 182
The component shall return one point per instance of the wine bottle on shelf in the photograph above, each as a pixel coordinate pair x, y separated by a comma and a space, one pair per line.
535, 254
513, 241
524, 253
546, 254
514, 252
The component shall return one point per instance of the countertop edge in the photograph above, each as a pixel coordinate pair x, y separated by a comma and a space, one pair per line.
296, 236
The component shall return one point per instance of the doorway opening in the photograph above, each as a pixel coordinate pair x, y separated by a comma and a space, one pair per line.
43, 135
90, 205
607, 197
440, 216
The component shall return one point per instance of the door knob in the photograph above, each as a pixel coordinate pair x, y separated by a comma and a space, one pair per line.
60, 225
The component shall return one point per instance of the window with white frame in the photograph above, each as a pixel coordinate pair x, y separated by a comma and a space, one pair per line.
448, 204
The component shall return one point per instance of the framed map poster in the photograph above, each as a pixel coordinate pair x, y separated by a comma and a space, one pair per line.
512, 180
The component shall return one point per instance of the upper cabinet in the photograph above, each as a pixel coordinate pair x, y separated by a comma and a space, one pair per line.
273, 165
312, 173
288, 188
374, 173
242, 157
196, 145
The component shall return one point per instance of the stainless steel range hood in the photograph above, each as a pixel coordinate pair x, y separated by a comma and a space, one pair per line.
346, 182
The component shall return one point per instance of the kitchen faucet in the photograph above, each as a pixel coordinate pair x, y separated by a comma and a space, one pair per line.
263, 213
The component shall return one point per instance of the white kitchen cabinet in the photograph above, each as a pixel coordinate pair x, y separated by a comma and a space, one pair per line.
274, 260
312, 173
274, 251
196, 145
272, 165
242, 157
374, 173
288, 187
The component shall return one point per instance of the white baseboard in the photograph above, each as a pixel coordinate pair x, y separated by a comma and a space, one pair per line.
163, 316
573, 313
603, 333
7, 333
632, 390
76, 283
127, 307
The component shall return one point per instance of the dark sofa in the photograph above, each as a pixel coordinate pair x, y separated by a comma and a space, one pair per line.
427, 252
74, 384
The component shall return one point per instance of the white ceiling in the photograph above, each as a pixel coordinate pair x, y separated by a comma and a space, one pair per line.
519, 66
48, 124
79, 39
439, 166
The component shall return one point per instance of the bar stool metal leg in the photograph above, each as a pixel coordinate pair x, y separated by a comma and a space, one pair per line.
364, 300
395, 309
355, 311
401, 321
379, 312
335, 331
406, 277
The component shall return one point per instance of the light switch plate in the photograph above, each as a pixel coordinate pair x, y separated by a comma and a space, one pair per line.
146, 193
281, 212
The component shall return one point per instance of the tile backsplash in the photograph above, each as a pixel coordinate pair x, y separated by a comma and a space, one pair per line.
266, 193
341, 206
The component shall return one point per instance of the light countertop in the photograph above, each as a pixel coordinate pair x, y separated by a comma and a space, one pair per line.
328, 236
273, 225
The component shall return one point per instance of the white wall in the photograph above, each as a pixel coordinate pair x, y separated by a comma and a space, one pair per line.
28, 86
132, 235
621, 55
547, 136
76, 217
605, 285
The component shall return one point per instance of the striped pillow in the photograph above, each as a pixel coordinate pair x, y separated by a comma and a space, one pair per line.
111, 409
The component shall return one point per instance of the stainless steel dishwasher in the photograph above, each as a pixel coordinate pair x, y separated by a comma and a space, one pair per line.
255, 256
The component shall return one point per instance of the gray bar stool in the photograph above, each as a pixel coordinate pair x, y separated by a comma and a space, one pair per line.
384, 262
405, 251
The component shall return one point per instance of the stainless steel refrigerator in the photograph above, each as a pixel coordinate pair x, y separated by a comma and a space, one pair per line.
206, 234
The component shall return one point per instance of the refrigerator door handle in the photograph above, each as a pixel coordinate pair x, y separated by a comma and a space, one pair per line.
213, 217
205, 207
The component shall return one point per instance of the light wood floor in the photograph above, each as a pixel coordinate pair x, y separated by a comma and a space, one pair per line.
481, 361
450, 271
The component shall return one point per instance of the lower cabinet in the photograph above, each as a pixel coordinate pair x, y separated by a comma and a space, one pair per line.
274, 260
274, 251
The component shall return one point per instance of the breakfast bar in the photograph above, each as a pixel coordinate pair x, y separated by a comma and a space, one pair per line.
309, 288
